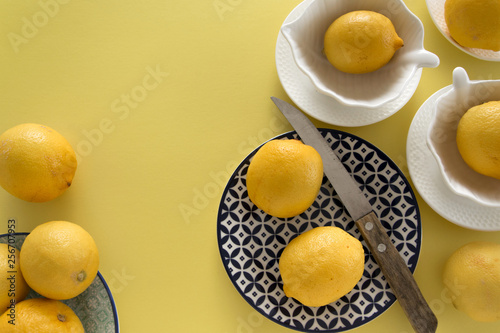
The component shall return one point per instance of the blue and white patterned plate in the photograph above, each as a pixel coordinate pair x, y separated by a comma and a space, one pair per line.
95, 306
251, 242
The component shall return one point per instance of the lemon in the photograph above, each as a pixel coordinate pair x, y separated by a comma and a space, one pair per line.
41, 315
59, 260
472, 278
284, 177
321, 265
478, 138
361, 42
474, 23
13, 288
37, 164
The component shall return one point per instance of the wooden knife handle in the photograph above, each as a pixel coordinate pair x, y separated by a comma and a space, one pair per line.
397, 274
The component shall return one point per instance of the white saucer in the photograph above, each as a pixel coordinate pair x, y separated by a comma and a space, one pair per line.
429, 182
302, 92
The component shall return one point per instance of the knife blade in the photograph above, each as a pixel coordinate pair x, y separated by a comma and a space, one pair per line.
391, 263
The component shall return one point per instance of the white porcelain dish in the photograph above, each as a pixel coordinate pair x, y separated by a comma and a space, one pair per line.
436, 11
371, 90
324, 108
430, 184
441, 138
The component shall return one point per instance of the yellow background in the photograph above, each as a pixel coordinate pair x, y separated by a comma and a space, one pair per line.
172, 147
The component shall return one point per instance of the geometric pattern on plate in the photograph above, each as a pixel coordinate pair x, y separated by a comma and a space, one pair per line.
251, 241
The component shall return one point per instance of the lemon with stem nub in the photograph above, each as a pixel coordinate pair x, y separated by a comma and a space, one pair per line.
59, 260
41, 315
37, 164
361, 41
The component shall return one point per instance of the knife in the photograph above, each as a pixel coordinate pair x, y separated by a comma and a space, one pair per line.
388, 258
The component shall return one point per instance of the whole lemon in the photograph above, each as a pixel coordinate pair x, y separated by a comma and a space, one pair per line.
321, 265
13, 287
361, 41
472, 277
59, 260
37, 164
284, 177
41, 315
474, 23
478, 138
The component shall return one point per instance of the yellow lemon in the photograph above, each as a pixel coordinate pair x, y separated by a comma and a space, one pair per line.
37, 164
472, 279
41, 315
474, 23
478, 138
321, 265
13, 288
284, 177
361, 42
59, 259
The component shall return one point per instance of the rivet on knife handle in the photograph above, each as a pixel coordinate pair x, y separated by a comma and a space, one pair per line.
397, 273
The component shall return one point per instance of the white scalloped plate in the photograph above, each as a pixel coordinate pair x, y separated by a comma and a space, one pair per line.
370, 90
324, 108
442, 142
429, 182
